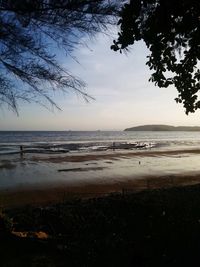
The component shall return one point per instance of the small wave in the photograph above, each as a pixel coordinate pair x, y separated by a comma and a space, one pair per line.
49, 148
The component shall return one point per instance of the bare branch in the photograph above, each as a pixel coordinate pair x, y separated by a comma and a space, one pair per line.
29, 33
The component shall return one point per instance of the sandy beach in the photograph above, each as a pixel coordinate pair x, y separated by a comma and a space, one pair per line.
48, 194
127, 206
41, 179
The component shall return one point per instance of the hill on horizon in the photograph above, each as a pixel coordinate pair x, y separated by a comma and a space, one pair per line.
162, 127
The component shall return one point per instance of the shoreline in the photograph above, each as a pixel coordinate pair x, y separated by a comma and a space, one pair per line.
47, 194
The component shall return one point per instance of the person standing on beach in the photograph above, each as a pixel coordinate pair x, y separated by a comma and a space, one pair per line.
21, 151
113, 145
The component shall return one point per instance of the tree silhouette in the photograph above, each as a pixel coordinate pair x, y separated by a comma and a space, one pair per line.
171, 32
31, 32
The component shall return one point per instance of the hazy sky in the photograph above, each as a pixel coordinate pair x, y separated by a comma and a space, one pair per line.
119, 84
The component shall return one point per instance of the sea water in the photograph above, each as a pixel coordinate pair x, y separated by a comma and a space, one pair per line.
66, 141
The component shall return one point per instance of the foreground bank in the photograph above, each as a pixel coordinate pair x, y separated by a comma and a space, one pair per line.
152, 228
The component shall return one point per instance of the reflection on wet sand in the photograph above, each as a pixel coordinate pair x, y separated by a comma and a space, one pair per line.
7, 164
82, 169
113, 156
37, 178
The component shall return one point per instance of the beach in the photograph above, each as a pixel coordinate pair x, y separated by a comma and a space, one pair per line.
53, 166
92, 204
60, 193
43, 179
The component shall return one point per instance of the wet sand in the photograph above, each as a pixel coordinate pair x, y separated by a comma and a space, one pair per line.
48, 194
52, 180
115, 155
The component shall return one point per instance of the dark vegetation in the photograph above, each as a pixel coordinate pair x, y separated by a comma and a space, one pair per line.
160, 127
152, 228
33, 34
171, 32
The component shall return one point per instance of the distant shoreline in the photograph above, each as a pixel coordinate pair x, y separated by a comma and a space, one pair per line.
163, 127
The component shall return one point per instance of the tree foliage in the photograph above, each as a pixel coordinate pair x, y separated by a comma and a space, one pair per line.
171, 32
31, 31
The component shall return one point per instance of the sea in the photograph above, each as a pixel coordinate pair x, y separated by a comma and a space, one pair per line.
51, 142
74, 158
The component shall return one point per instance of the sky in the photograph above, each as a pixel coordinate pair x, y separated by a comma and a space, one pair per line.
123, 95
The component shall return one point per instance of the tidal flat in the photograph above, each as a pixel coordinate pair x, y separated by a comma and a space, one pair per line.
111, 208
93, 173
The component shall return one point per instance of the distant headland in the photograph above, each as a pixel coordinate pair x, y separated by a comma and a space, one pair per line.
162, 127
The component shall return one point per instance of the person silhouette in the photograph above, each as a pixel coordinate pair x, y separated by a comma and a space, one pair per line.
21, 151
